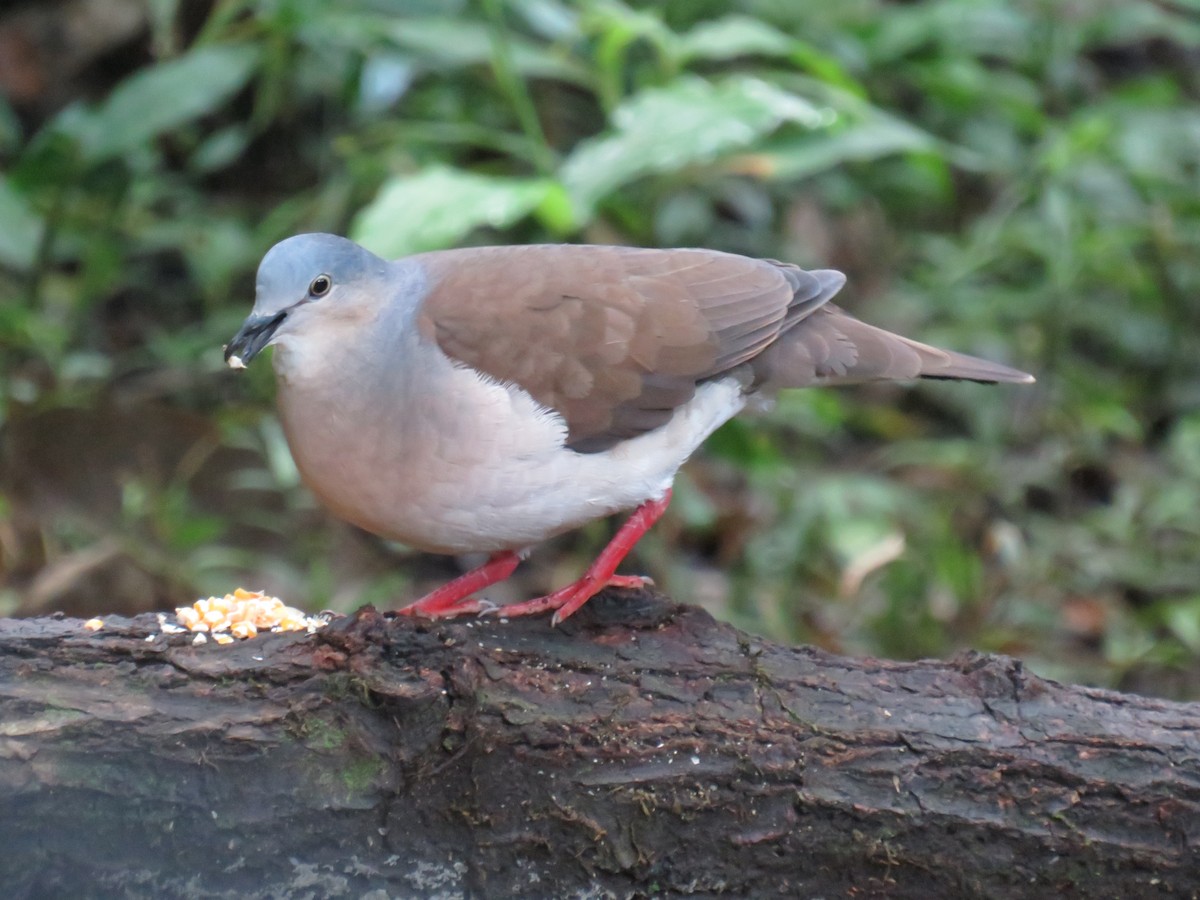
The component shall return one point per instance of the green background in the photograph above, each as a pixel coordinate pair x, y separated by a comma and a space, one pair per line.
1012, 179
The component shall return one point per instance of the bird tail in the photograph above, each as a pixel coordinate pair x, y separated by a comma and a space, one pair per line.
947, 365
832, 347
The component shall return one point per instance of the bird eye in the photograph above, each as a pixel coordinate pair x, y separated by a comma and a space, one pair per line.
320, 286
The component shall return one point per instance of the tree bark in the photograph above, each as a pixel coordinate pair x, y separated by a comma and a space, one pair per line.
641, 749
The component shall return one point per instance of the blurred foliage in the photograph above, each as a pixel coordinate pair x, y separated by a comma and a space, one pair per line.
1013, 178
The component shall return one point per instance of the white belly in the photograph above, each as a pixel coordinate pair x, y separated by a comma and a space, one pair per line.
466, 464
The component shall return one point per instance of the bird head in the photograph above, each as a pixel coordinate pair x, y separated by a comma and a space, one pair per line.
303, 276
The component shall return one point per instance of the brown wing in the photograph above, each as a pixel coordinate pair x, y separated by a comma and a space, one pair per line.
612, 338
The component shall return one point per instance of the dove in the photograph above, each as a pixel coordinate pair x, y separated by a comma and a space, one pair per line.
483, 400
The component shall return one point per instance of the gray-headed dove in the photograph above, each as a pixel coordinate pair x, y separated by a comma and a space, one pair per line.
486, 399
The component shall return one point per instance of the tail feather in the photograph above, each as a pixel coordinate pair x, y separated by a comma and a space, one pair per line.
981, 371
831, 347
947, 365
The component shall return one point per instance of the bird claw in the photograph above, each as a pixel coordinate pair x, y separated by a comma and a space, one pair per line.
487, 607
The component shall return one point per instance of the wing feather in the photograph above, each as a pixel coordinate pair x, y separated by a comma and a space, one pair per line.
614, 339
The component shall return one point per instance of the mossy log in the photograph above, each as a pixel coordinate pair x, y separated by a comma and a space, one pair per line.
641, 749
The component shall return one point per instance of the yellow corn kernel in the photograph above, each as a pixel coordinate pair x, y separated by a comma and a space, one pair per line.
222, 639
265, 618
187, 615
93, 624
243, 630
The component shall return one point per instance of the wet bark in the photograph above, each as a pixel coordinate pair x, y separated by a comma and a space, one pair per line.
641, 749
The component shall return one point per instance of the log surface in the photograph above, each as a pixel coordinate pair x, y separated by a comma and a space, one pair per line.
641, 749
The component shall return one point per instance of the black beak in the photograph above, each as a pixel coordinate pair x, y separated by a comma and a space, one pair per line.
256, 332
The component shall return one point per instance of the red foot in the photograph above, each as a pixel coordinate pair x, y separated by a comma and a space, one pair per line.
454, 598
601, 574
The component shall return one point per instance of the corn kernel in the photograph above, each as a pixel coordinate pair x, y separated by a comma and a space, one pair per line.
222, 639
93, 624
243, 629
243, 614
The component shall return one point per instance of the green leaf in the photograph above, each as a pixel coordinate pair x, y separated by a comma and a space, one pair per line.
436, 207
731, 37
556, 211
1183, 619
457, 43
1184, 445
20, 228
158, 99
796, 156
687, 122
736, 36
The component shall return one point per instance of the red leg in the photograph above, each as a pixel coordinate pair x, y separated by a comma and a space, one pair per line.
600, 574
454, 598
